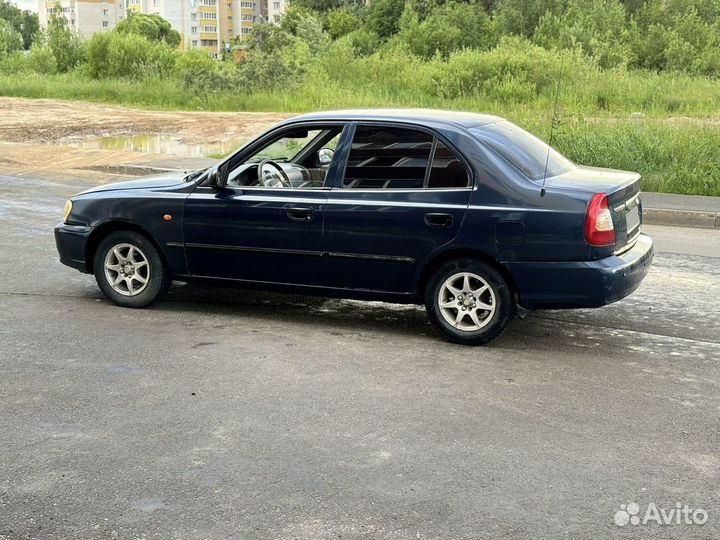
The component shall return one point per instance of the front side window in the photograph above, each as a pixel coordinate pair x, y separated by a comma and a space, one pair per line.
524, 151
298, 158
401, 158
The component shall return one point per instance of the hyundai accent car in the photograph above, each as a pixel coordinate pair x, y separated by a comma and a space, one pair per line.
466, 213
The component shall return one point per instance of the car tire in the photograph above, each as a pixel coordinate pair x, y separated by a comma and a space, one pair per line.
469, 301
129, 270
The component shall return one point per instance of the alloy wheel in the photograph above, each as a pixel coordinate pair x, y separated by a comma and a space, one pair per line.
466, 301
127, 269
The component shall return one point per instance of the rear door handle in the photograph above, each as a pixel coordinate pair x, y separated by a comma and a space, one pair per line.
300, 214
439, 220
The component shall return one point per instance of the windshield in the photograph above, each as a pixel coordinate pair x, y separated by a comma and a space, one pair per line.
524, 151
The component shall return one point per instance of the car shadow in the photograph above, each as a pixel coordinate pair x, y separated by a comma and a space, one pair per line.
339, 316
344, 315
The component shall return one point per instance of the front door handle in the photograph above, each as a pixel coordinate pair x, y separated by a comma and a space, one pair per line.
300, 214
439, 220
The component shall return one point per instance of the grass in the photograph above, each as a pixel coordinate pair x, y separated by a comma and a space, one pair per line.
667, 127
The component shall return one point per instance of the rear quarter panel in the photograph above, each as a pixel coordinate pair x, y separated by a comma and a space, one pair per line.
508, 218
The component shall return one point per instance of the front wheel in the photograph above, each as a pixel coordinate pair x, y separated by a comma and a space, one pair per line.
468, 301
129, 270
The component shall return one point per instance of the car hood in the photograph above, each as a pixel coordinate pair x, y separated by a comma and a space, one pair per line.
149, 182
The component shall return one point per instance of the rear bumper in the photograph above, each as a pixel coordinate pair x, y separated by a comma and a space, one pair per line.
582, 284
70, 241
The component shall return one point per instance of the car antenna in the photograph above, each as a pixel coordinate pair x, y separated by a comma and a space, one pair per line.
553, 121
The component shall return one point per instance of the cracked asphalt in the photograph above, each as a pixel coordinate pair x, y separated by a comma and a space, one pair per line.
226, 414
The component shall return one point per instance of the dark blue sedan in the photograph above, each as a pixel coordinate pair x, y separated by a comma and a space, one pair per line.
466, 213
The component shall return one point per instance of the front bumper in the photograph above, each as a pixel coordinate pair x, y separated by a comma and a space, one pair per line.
585, 283
71, 241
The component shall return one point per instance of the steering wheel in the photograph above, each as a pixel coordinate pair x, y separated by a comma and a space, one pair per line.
269, 178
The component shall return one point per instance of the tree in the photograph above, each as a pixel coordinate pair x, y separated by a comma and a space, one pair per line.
67, 46
326, 5
341, 22
23, 21
448, 27
384, 16
520, 17
10, 39
151, 27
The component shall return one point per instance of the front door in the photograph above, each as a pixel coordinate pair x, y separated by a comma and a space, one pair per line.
403, 195
265, 225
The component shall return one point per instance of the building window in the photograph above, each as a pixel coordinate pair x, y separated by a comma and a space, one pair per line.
105, 12
245, 30
250, 5
209, 42
210, 29
193, 29
193, 16
208, 15
194, 42
105, 24
211, 3
276, 6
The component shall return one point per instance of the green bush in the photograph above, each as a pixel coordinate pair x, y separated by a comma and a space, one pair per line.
513, 63
448, 28
41, 59
341, 22
151, 27
128, 55
364, 42
10, 39
67, 45
197, 71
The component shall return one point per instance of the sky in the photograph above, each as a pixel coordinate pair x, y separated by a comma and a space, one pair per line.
32, 5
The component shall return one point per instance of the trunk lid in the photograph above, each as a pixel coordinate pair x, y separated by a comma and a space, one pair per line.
623, 191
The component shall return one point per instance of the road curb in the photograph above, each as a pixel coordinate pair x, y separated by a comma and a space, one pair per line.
132, 170
681, 218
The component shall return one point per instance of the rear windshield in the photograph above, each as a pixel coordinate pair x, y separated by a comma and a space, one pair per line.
522, 150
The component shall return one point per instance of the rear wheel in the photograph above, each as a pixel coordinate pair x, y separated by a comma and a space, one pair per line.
129, 270
468, 301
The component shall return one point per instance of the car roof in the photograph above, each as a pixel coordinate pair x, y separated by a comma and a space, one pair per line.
465, 119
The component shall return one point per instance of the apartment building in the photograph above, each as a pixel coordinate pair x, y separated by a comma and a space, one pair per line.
84, 16
206, 24
274, 10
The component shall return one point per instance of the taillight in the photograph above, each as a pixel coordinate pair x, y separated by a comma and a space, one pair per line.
599, 230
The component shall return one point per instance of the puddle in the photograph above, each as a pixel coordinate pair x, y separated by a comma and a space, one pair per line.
161, 144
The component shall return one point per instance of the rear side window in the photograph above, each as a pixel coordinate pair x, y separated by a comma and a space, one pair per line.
447, 170
400, 158
387, 157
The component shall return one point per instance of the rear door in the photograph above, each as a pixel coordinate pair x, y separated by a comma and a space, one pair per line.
403, 194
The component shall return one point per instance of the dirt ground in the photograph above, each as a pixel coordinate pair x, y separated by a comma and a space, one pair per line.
38, 134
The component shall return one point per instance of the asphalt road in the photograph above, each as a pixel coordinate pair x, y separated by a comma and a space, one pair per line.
221, 414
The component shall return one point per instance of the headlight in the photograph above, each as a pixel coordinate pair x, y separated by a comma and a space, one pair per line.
67, 210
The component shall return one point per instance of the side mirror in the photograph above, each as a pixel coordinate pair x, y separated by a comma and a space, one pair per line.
219, 175
325, 156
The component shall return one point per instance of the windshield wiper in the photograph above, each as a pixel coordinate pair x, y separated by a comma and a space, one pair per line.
193, 175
